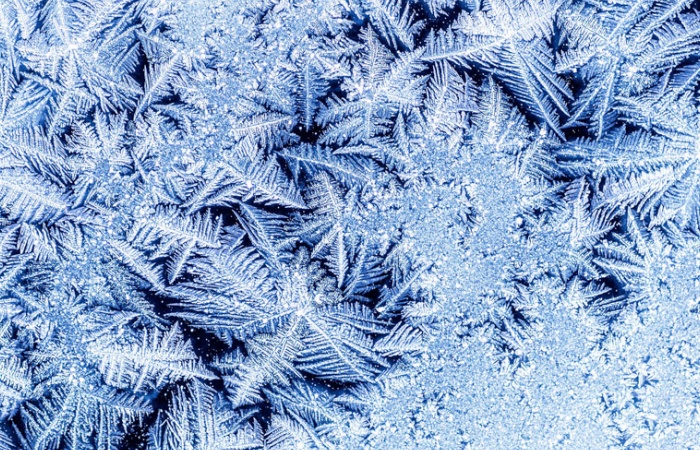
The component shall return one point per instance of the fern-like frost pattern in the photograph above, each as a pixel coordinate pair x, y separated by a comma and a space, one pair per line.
349, 224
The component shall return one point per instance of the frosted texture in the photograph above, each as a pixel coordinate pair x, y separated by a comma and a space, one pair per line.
349, 224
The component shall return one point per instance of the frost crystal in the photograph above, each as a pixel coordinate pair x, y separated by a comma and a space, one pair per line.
349, 224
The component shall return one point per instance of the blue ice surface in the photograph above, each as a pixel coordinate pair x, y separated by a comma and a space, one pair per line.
349, 224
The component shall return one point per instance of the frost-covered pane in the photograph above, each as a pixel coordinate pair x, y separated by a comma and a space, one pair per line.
349, 224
